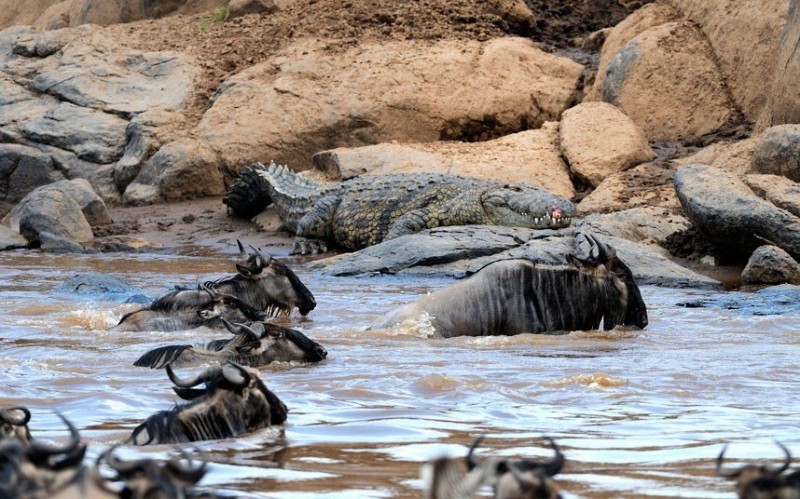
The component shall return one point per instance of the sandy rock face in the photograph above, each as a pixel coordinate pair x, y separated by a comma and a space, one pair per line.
733, 156
745, 36
649, 16
598, 139
531, 156
641, 79
783, 105
307, 100
649, 184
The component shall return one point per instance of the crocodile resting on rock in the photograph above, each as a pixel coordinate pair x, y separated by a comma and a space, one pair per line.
366, 210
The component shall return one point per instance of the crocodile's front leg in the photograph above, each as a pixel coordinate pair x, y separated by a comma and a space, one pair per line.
315, 229
414, 221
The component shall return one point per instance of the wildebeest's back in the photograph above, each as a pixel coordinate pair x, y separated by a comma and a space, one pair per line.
368, 208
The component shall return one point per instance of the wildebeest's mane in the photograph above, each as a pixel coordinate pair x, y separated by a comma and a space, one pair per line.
160, 357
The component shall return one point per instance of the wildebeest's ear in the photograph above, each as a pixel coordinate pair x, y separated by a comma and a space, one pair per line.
189, 393
245, 271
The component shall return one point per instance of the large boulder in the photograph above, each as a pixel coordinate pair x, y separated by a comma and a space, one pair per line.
307, 99
647, 224
745, 36
770, 265
48, 215
92, 205
22, 169
532, 156
641, 80
778, 152
649, 16
778, 190
180, 170
598, 140
726, 211
735, 156
10, 239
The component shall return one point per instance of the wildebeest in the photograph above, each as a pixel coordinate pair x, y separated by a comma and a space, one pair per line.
761, 481
149, 479
234, 401
266, 284
519, 296
209, 307
14, 423
255, 345
39, 469
520, 479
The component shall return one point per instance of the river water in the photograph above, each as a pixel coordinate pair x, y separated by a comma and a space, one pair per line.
637, 413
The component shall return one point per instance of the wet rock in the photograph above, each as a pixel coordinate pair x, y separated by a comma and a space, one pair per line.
640, 80
461, 250
598, 139
647, 225
99, 286
532, 156
774, 300
779, 191
179, 170
307, 99
724, 209
770, 265
778, 152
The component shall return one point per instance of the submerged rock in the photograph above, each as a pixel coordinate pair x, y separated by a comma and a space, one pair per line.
105, 287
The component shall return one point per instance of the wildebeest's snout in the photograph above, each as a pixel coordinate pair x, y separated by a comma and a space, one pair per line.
641, 319
317, 354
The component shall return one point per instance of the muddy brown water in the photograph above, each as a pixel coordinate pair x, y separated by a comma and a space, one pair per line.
637, 413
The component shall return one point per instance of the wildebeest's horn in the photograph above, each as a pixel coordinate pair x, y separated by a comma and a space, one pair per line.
213, 293
786, 463
41, 450
236, 374
187, 472
242, 252
264, 259
725, 474
471, 462
7, 417
553, 467
239, 328
208, 373
121, 467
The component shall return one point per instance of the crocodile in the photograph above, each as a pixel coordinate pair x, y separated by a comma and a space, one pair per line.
366, 210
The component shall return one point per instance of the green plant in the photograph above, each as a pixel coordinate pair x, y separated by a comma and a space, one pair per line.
220, 14
203, 25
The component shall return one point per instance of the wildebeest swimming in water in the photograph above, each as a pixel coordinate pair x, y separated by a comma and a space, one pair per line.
234, 401
266, 284
761, 481
209, 307
257, 344
519, 296
511, 479
38, 469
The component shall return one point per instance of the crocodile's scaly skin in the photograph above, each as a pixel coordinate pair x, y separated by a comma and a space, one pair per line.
366, 210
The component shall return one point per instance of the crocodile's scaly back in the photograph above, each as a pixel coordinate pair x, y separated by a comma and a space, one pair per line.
292, 194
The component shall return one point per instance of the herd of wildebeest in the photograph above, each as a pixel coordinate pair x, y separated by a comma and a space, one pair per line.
229, 398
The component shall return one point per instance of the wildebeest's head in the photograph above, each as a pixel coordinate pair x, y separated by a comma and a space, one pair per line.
603, 261
39, 469
525, 478
761, 481
279, 343
234, 401
278, 281
14, 423
149, 479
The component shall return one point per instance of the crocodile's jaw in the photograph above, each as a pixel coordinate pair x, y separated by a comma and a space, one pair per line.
534, 208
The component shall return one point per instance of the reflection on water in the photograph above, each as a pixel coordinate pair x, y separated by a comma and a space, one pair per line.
636, 412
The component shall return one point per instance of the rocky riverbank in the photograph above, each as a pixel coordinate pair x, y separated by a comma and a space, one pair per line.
667, 122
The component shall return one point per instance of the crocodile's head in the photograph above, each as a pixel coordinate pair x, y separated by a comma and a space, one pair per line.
521, 205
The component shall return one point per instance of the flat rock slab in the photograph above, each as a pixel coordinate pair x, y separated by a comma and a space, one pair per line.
461, 250
776, 189
774, 300
101, 287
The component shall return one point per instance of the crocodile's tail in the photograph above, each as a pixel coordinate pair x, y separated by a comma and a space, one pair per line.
249, 195
293, 195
